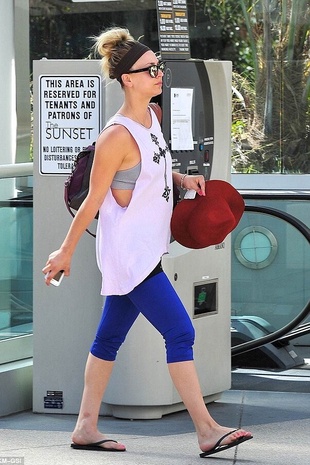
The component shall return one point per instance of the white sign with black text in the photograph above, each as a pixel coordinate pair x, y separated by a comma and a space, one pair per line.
69, 119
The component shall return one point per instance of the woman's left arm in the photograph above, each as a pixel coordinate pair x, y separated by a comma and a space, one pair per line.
194, 182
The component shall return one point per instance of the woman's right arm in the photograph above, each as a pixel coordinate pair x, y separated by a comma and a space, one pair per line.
109, 155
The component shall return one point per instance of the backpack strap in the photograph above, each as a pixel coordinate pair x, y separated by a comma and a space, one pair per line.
73, 214
157, 110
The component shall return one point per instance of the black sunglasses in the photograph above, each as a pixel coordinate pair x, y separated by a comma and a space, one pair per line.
153, 69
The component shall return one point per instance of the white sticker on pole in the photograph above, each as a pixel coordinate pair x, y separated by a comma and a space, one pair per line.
69, 119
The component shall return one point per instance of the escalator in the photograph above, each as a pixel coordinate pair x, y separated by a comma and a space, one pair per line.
270, 284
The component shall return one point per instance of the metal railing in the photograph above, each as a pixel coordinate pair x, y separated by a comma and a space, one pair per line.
16, 170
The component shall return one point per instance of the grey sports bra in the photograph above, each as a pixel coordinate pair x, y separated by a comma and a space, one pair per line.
126, 179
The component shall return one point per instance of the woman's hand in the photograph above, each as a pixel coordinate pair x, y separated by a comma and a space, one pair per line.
194, 182
57, 261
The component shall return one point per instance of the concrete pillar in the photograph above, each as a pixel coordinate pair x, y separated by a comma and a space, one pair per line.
21, 39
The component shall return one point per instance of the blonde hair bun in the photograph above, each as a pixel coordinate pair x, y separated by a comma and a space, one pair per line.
107, 46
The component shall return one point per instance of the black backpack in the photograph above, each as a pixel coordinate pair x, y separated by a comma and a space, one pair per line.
77, 183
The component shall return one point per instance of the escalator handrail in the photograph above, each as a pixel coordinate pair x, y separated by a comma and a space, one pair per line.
298, 224
305, 231
273, 337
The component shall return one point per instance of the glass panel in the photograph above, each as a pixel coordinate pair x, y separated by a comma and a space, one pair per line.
278, 290
16, 255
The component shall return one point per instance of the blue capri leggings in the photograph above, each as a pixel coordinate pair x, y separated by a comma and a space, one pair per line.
157, 300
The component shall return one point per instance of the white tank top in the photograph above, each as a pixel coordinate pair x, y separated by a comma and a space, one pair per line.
131, 240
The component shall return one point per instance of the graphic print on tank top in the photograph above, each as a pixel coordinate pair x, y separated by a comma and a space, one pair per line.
161, 153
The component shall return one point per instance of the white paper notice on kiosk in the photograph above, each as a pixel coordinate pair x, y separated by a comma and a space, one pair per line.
181, 118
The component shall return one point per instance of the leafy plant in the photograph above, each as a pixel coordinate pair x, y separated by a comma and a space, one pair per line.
279, 40
271, 118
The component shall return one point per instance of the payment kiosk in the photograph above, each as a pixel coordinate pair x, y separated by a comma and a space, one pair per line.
196, 103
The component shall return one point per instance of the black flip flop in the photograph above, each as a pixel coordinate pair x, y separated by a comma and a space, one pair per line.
218, 448
96, 446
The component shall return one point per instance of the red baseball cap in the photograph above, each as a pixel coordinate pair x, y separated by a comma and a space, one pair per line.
206, 220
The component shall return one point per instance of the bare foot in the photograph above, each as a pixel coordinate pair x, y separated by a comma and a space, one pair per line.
208, 441
81, 438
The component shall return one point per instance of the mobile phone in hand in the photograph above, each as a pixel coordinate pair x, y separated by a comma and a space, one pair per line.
56, 280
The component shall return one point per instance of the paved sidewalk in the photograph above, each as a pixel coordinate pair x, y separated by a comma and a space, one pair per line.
279, 421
